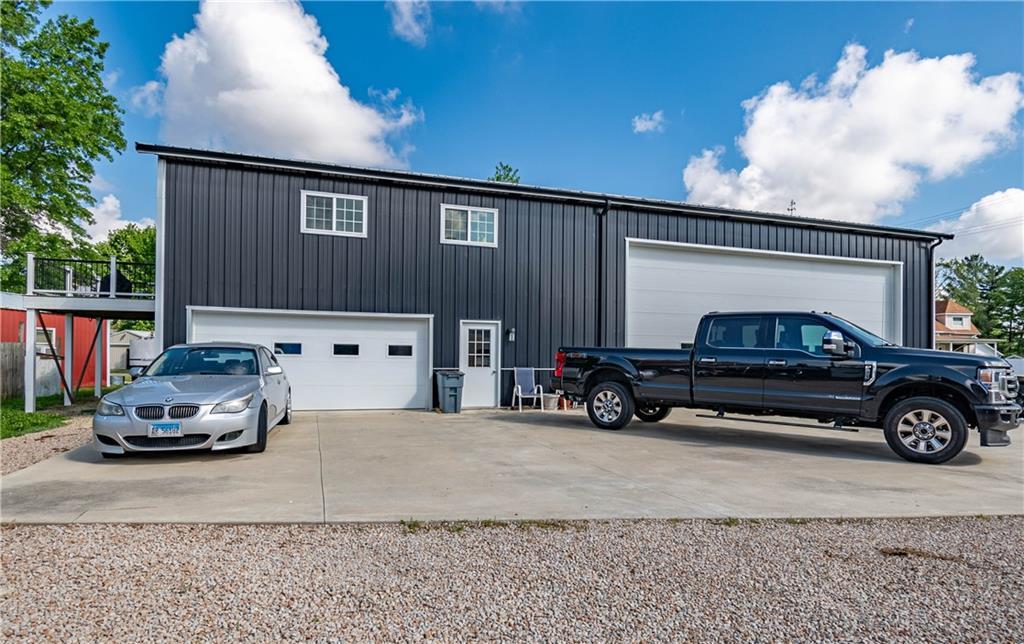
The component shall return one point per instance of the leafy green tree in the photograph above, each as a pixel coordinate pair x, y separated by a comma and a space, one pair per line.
505, 173
1008, 307
44, 244
57, 120
973, 282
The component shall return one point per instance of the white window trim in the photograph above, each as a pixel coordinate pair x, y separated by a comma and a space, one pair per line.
459, 242
333, 196
388, 356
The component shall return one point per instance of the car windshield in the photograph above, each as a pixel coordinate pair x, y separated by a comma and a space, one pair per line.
214, 361
851, 329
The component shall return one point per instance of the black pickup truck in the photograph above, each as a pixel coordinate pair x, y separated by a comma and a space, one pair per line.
810, 365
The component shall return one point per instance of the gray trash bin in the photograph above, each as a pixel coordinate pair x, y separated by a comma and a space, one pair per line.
449, 390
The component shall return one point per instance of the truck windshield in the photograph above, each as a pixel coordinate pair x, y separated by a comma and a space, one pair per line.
213, 361
851, 329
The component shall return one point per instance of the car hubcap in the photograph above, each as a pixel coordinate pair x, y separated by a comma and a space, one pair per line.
607, 406
924, 431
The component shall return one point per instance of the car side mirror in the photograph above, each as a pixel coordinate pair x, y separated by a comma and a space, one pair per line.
135, 372
274, 370
834, 344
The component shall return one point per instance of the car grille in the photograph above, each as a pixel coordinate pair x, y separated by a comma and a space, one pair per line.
182, 411
190, 440
150, 412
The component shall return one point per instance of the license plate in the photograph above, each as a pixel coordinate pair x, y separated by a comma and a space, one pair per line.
163, 430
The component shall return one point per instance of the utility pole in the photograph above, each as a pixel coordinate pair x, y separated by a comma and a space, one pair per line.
792, 207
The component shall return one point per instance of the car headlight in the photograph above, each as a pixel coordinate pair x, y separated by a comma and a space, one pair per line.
232, 406
107, 408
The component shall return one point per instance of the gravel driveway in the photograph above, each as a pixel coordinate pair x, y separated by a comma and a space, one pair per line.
19, 452
916, 579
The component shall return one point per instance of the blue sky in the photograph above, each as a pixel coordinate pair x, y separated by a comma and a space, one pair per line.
553, 88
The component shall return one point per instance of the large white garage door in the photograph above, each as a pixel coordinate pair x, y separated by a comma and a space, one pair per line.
334, 361
670, 286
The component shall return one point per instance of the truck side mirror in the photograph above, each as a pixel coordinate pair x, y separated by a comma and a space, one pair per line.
833, 344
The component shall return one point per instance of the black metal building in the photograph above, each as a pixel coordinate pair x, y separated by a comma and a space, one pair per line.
231, 234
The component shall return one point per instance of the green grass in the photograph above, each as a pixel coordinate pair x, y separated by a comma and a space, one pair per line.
50, 413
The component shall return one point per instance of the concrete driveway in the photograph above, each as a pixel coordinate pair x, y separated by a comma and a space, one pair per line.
368, 466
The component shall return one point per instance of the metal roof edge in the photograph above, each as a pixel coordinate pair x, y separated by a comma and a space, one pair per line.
494, 187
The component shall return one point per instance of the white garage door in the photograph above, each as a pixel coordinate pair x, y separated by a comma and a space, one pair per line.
334, 361
670, 286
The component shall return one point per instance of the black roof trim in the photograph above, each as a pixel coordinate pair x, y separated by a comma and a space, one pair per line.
492, 187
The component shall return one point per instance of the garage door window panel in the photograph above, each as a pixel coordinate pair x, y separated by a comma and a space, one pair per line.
471, 226
346, 349
334, 214
288, 348
400, 350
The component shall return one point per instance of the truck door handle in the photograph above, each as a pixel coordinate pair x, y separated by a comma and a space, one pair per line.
708, 360
777, 363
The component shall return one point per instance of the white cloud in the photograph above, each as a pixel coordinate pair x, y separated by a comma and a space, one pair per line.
410, 20
252, 77
499, 6
993, 226
908, 25
107, 217
147, 98
649, 122
110, 79
99, 183
857, 146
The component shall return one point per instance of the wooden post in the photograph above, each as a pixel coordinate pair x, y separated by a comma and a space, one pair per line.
30, 280
97, 354
30, 357
113, 276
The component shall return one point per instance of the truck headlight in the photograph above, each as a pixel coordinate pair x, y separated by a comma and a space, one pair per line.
992, 380
107, 408
232, 406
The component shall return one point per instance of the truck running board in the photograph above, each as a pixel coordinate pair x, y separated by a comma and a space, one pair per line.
836, 428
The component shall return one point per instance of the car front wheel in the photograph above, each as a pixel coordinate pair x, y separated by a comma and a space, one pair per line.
261, 433
610, 405
925, 430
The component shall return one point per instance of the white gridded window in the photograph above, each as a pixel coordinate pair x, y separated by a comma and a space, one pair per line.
334, 214
479, 349
318, 213
348, 215
470, 226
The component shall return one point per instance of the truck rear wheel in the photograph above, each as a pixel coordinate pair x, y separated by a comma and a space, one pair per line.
925, 430
610, 405
652, 413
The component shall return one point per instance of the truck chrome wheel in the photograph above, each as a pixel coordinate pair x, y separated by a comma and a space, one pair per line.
607, 406
924, 431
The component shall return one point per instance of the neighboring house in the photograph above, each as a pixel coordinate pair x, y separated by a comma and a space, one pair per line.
12, 332
955, 331
120, 347
365, 281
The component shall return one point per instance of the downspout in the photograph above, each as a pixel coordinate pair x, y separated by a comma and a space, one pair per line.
601, 268
931, 288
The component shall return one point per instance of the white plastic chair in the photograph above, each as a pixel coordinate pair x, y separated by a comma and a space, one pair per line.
526, 381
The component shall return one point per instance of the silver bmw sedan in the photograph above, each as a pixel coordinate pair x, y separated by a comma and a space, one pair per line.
216, 396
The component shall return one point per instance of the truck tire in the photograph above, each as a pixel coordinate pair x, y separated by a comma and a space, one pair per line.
652, 413
610, 405
925, 430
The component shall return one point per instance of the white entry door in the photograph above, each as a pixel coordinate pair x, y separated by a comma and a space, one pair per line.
479, 360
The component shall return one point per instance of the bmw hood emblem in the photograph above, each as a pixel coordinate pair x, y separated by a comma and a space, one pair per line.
169, 399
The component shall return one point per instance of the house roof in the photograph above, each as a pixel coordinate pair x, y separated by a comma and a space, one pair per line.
943, 307
970, 332
597, 199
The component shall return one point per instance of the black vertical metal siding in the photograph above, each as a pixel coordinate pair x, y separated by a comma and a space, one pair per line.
232, 238
913, 253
